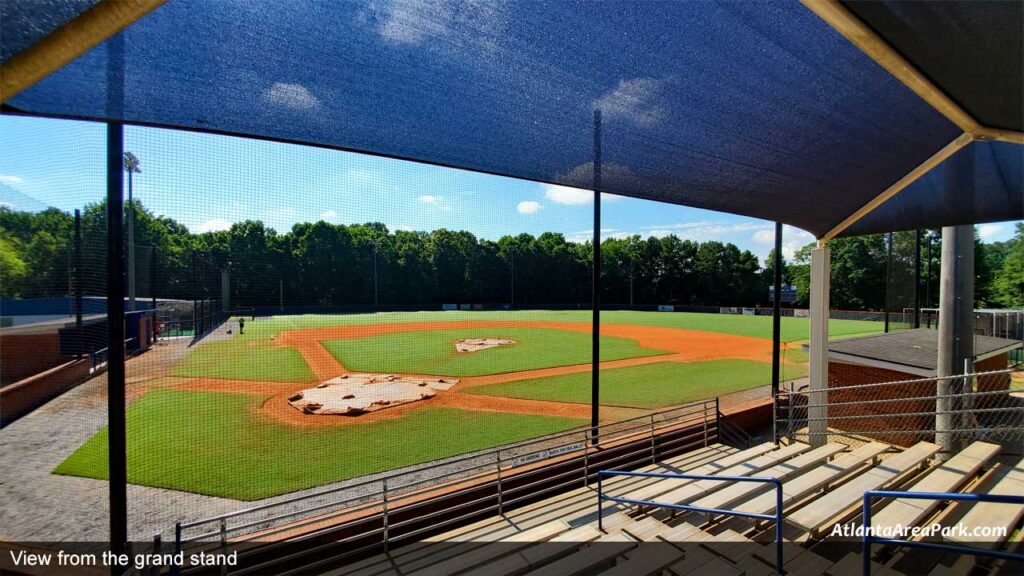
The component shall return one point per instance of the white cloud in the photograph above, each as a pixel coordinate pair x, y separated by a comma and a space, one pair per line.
704, 230
764, 236
588, 235
437, 201
329, 216
634, 99
528, 207
574, 196
10, 179
988, 231
793, 239
294, 96
214, 225
453, 25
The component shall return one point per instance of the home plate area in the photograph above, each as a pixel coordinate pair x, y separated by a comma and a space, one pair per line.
353, 394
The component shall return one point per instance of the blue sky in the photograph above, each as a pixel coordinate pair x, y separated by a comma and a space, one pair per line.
208, 182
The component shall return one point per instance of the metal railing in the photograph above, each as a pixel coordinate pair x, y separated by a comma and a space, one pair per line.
777, 517
869, 538
487, 482
99, 358
949, 410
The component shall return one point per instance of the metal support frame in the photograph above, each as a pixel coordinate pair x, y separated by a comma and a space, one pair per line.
777, 324
77, 282
78, 36
917, 278
595, 358
777, 517
872, 45
888, 279
868, 539
116, 427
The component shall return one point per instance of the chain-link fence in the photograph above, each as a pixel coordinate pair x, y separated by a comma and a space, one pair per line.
950, 411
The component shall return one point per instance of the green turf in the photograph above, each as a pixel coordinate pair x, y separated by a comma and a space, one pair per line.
755, 326
245, 358
238, 358
211, 443
654, 385
433, 351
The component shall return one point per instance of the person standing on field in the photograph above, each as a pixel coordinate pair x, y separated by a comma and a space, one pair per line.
241, 324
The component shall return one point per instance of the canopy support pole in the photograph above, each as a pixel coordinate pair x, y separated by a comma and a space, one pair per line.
116, 437
777, 323
817, 413
595, 358
70, 41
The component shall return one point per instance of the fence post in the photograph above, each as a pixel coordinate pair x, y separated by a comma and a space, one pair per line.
501, 496
652, 440
384, 484
176, 567
223, 544
586, 460
154, 570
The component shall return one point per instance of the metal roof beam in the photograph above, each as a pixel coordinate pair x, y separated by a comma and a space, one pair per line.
70, 41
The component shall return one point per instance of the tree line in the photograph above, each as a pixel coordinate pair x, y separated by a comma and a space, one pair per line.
323, 264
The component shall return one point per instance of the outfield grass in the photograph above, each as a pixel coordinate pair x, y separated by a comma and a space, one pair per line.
212, 443
656, 385
251, 356
739, 325
245, 358
433, 351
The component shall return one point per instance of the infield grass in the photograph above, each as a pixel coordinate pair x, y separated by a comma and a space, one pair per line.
656, 385
433, 351
245, 358
213, 443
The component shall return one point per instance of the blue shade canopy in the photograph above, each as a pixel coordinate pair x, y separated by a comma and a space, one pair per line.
758, 109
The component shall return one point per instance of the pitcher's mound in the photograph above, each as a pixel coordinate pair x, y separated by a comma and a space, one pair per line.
474, 344
354, 394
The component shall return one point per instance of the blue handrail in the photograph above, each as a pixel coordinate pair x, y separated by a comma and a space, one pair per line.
868, 537
777, 517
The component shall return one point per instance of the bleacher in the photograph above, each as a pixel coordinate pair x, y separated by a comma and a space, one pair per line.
821, 487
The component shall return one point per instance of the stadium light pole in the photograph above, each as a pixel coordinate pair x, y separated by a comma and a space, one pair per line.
131, 166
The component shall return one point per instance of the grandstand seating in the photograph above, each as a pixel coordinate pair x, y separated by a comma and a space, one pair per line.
821, 486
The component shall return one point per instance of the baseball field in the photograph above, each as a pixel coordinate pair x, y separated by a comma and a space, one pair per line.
222, 421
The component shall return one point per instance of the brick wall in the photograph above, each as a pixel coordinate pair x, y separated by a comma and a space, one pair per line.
26, 395
842, 374
22, 355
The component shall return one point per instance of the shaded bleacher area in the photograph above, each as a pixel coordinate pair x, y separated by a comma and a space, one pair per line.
821, 488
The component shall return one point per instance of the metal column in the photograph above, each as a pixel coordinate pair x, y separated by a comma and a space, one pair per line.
116, 437
817, 414
777, 324
595, 369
